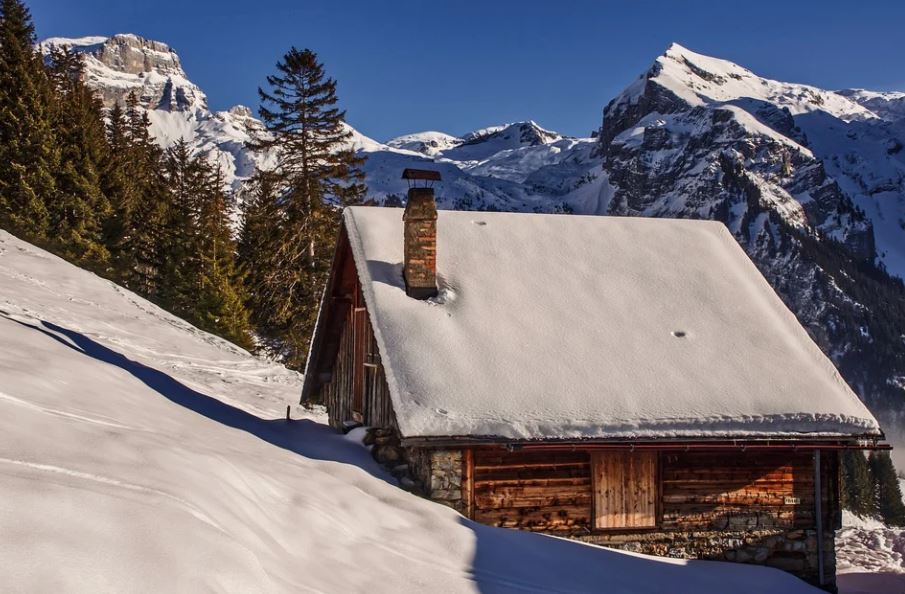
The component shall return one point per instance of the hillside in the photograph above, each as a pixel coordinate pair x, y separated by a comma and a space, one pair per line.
141, 454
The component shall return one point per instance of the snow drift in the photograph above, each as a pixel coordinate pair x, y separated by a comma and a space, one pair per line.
140, 454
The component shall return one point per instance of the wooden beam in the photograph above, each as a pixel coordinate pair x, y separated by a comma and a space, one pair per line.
818, 512
468, 482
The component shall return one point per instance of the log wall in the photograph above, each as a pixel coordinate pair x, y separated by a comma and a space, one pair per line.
357, 392
753, 506
532, 491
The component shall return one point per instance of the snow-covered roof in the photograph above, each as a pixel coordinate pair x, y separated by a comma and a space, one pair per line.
573, 327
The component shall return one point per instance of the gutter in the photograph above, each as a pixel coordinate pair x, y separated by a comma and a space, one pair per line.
809, 444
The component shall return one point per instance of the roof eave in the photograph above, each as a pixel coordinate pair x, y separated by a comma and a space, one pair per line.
803, 441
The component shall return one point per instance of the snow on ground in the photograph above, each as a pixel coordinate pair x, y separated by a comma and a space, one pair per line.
869, 557
140, 454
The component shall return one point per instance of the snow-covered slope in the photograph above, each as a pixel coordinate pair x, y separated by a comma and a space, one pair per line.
487, 168
140, 454
888, 105
869, 557
427, 143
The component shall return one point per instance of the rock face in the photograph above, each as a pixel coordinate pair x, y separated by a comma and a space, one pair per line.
125, 63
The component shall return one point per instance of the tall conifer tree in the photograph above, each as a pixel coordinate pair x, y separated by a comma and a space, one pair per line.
80, 207
221, 297
887, 492
141, 246
28, 155
857, 489
200, 280
180, 253
316, 175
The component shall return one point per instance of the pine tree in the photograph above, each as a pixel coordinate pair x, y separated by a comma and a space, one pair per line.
221, 303
181, 253
261, 227
200, 280
887, 493
857, 488
79, 207
28, 155
140, 248
316, 175
119, 188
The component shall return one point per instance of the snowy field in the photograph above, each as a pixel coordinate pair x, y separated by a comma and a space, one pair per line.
138, 454
869, 557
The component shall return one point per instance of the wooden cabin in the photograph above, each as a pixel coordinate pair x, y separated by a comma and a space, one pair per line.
629, 382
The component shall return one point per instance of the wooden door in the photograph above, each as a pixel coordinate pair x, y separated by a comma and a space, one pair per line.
625, 489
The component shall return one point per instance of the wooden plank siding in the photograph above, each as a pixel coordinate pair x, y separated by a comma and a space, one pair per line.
558, 491
764, 489
357, 391
625, 489
532, 491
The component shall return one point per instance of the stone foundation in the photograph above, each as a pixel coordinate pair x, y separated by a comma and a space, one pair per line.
432, 473
794, 551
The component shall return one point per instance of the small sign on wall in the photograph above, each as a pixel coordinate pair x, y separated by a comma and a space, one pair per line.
791, 500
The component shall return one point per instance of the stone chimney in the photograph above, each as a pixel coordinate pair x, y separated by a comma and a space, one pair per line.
420, 237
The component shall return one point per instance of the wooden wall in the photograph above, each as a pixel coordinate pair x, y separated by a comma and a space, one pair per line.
695, 491
756, 489
532, 491
356, 391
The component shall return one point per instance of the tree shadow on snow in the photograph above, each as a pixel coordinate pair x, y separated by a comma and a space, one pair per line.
305, 437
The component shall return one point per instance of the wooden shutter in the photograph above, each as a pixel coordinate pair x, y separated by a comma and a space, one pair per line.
359, 343
625, 489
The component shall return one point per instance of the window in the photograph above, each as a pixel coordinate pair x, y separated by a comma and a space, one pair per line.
625, 489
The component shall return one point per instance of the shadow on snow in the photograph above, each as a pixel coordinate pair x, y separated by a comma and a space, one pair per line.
504, 560
304, 437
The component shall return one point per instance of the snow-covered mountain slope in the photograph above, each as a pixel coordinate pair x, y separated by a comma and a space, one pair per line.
804, 178
845, 142
487, 168
698, 80
888, 105
427, 143
177, 107
483, 144
140, 454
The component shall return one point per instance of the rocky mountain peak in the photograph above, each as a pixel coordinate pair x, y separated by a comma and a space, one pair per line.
134, 55
125, 63
242, 111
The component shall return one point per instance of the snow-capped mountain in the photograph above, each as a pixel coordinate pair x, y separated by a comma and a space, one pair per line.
427, 143
808, 180
487, 168
119, 65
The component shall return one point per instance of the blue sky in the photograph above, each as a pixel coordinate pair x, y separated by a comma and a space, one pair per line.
455, 66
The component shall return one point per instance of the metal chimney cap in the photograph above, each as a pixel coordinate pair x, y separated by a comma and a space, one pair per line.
425, 174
